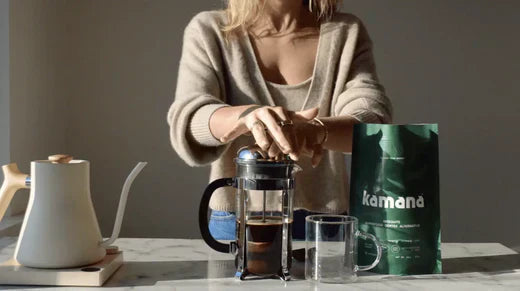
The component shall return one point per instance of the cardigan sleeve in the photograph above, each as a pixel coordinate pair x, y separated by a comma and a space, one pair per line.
197, 96
364, 98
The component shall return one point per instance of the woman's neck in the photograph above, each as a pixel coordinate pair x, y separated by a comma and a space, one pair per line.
282, 17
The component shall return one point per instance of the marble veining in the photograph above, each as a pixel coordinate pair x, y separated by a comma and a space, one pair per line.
181, 264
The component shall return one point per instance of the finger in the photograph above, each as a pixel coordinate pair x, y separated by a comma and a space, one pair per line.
306, 149
256, 148
261, 138
305, 115
306, 152
294, 157
317, 155
290, 132
239, 129
274, 150
281, 113
276, 131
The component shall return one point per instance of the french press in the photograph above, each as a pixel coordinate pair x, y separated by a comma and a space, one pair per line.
264, 212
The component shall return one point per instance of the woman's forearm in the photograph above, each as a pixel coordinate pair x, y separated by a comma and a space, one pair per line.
339, 133
339, 128
224, 118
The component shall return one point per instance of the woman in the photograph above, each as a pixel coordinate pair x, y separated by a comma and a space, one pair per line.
292, 77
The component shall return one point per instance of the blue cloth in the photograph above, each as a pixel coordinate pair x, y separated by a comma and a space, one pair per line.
222, 224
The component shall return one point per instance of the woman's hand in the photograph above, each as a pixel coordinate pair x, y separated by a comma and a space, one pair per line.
309, 137
274, 129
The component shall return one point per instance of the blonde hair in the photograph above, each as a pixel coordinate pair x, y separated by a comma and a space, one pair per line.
244, 13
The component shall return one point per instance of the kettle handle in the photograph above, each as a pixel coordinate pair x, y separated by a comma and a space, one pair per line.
13, 181
203, 215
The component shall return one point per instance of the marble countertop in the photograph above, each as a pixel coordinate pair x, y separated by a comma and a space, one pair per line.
181, 264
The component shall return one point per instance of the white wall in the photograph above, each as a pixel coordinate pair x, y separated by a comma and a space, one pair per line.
111, 67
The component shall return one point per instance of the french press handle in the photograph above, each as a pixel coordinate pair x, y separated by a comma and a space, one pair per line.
203, 215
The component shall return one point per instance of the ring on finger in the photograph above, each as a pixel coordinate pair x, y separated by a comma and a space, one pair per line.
285, 122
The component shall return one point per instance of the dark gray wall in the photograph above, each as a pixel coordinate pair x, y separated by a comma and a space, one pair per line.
457, 63
39, 86
451, 62
4, 82
126, 60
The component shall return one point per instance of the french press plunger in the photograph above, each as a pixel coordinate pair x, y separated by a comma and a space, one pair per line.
264, 211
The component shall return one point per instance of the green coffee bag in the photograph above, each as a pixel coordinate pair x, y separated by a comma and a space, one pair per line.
395, 195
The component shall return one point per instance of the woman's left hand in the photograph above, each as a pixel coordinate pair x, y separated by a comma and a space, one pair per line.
273, 128
305, 134
308, 141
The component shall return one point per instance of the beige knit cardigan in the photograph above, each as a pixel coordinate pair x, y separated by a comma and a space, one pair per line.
215, 72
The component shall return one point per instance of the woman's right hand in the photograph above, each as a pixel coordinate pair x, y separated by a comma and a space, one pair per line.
270, 124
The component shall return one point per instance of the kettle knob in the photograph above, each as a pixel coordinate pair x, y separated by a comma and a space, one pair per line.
60, 159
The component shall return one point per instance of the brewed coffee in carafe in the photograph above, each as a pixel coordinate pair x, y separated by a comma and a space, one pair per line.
264, 211
267, 233
264, 245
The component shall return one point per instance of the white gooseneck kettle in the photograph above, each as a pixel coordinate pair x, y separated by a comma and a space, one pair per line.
60, 228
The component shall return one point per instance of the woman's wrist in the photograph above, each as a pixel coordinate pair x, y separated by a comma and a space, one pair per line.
321, 131
224, 118
248, 109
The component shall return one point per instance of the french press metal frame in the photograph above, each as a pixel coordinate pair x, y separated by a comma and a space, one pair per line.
253, 173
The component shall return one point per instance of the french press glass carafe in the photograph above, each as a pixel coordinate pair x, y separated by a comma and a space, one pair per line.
264, 211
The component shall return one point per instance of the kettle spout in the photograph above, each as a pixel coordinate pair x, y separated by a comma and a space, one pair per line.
122, 204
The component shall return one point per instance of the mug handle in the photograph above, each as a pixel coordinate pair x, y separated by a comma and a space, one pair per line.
203, 215
365, 235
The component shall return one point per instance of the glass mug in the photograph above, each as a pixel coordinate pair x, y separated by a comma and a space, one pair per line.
331, 248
